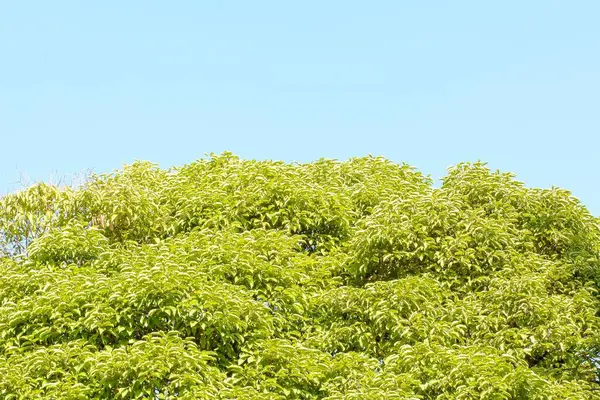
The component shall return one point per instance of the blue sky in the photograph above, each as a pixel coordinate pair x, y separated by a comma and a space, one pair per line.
94, 85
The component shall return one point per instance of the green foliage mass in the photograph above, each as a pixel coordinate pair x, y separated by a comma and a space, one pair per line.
239, 279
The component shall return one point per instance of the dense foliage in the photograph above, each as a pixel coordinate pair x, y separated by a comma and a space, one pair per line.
237, 279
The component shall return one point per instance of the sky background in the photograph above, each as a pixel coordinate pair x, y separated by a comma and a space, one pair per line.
95, 85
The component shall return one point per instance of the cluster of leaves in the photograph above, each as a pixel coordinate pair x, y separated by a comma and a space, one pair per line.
237, 279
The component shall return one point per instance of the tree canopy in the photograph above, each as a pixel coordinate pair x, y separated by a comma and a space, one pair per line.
241, 279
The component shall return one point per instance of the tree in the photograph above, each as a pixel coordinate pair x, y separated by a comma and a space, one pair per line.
241, 279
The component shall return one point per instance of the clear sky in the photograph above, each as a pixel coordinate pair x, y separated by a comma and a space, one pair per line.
99, 84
